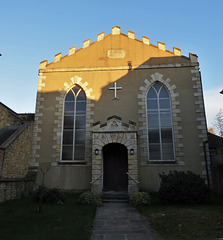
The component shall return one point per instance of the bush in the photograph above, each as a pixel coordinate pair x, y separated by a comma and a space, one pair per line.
90, 198
139, 198
49, 195
182, 187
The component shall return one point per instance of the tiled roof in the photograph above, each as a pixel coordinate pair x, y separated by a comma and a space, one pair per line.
7, 132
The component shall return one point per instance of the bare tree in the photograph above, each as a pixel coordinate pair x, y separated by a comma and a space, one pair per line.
218, 123
44, 171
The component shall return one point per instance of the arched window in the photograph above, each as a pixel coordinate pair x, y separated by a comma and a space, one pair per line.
74, 124
160, 127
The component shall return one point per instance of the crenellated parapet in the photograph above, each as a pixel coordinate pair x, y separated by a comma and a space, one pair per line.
57, 57
116, 30
177, 51
86, 43
146, 40
131, 34
72, 50
161, 46
101, 36
193, 57
43, 64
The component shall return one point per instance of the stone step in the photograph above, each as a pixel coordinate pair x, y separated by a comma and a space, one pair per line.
113, 196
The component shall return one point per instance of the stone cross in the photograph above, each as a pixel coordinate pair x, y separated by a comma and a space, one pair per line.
115, 88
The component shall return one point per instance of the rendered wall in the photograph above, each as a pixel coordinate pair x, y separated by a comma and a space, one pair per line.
134, 65
65, 177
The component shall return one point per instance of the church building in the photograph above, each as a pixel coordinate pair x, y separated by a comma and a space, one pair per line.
114, 114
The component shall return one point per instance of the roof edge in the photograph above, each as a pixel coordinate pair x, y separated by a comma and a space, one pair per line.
14, 136
116, 30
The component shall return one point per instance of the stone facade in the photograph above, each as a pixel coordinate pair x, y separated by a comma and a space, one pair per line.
177, 122
18, 153
14, 188
8, 117
114, 131
15, 154
134, 65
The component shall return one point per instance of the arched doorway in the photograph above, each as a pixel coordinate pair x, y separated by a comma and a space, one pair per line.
115, 166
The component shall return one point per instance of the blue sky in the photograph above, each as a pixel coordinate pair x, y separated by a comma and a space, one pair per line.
33, 31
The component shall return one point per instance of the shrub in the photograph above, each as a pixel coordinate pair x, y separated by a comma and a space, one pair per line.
49, 195
182, 187
139, 198
90, 198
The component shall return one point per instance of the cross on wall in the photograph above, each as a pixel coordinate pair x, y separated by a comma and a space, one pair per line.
115, 88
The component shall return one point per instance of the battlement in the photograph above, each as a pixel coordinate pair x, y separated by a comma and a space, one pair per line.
116, 30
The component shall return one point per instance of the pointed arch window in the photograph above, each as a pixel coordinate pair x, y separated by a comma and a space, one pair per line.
159, 122
74, 125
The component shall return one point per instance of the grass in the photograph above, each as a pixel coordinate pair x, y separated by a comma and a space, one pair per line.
181, 222
20, 220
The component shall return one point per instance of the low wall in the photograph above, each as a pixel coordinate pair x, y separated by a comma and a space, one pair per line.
217, 178
14, 188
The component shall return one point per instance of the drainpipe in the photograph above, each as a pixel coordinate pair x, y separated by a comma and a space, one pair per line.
206, 162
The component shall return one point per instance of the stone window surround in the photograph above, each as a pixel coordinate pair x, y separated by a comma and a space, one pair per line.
57, 131
177, 122
76, 80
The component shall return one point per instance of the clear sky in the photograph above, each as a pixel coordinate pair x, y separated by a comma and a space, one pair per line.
32, 31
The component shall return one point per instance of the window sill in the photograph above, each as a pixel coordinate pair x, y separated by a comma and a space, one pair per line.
72, 163
161, 162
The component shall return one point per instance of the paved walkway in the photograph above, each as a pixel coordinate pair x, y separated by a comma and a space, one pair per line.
120, 221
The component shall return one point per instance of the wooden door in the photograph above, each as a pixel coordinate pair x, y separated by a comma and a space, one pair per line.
115, 167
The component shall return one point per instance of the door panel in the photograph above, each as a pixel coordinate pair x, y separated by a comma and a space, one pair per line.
115, 167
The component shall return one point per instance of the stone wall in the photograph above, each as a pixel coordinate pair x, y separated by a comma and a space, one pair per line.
1, 161
135, 66
176, 117
114, 131
15, 154
8, 117
18, 154
12, 189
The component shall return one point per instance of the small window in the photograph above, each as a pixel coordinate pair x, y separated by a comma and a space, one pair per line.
74, 124
159, 122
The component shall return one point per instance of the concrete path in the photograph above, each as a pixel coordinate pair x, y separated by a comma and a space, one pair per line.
120, 221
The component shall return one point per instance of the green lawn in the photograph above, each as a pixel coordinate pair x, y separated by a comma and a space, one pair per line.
181, 222
20, 220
